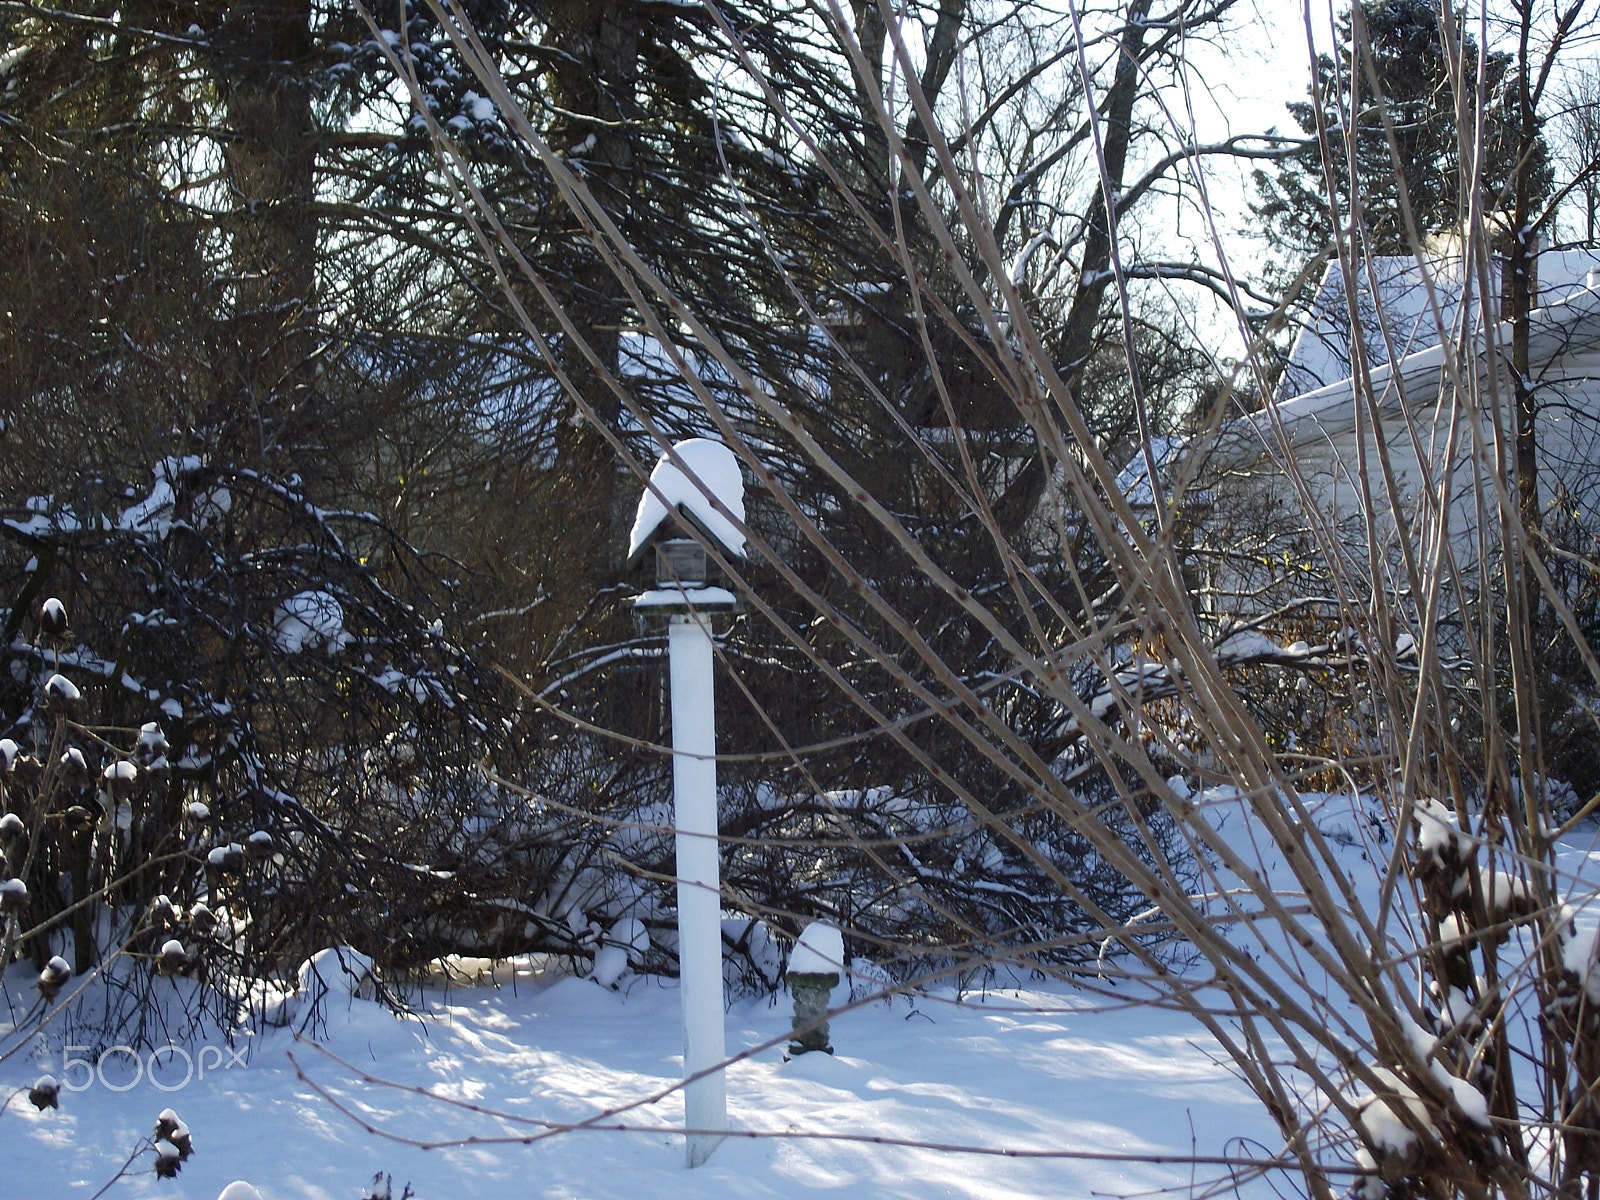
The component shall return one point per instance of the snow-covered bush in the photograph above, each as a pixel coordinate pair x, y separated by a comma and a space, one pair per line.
255, 739
922, 888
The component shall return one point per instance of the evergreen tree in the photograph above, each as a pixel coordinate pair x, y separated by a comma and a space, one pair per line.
1408, 59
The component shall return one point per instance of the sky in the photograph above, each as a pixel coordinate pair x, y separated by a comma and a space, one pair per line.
1239, 83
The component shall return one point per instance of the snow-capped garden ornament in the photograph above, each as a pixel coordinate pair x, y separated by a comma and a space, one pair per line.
813, 974
694, 490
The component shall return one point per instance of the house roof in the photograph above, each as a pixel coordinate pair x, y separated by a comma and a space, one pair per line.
1401, 320
1315, 400
1567, 320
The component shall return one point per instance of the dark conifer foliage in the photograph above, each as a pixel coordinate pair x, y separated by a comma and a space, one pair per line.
240, 264
1413, 93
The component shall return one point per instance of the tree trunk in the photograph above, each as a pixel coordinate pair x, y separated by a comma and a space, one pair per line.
872, 34
594, 83
1519, 290
267, 400
1077, 339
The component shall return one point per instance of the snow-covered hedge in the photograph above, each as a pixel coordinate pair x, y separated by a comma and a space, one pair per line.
237, 729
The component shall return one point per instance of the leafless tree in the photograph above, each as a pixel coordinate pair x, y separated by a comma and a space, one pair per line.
1383, 1035
1577, 124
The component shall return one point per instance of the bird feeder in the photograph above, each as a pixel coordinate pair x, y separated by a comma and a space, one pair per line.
684, 510
695, 500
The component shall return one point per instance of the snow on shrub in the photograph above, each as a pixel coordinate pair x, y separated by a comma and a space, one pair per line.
340, 971
310, 621
240, 629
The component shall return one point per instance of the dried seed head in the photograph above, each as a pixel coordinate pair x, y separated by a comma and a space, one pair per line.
54, 977
74, 769
13, 896
52, 618
202, 921
27, 770
168, 1160
170, 1128
120, 778
174, 958
62, 695
152, 743
227, 858
44, 1094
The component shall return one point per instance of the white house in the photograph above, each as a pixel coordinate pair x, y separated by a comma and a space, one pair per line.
1417, 322
1438, 363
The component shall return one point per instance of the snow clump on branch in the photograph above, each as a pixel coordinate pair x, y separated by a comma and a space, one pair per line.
310, 621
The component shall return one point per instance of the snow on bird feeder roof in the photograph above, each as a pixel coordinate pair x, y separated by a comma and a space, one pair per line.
709, 470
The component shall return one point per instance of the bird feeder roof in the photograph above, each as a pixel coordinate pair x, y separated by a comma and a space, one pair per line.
708, 478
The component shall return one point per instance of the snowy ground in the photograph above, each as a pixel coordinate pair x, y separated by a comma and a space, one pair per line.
1042, 1068
1035, 1069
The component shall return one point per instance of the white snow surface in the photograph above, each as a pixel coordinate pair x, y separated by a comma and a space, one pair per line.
1035, 1068
1028, 1066
712, 471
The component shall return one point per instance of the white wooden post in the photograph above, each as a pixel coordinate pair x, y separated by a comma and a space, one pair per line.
705, 493
694, 788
